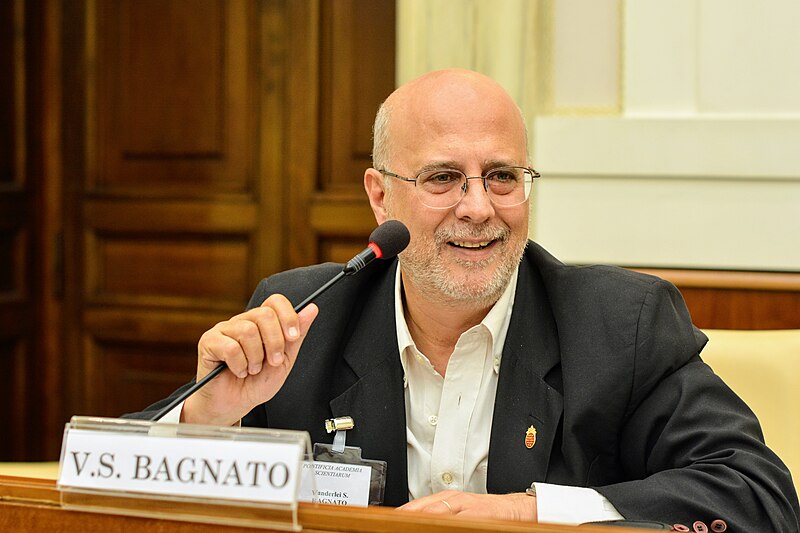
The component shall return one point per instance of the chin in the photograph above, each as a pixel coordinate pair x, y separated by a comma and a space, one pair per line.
483, 288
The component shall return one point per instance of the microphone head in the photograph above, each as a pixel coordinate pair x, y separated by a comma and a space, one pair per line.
391, 238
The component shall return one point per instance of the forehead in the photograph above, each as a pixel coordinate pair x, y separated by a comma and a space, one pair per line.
457, 123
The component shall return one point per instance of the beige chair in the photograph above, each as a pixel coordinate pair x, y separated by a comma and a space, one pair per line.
44, 470
763, 368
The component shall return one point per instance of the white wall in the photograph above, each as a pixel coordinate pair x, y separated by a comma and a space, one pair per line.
667, 132
701, 167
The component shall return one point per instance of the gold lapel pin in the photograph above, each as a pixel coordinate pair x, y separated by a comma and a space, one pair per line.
530, 437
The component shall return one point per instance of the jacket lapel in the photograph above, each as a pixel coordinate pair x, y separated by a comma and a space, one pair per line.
376, 400
524, 398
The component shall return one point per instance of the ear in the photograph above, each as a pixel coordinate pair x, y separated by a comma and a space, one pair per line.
376, 192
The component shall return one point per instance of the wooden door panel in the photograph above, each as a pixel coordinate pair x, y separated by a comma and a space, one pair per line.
142, 373
171, 98
357, 43
134, 357
174, 97
14, 380
17, 308
201, 272
168, 215
14, 241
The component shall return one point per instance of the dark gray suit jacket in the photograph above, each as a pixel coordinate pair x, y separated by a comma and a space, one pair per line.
603, 363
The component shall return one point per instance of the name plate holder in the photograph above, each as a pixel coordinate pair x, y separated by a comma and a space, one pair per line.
196, 473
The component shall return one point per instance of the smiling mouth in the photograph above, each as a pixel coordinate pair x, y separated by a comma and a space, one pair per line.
471, 245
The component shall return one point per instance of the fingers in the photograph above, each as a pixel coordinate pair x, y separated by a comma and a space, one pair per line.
440, 503
267, 335
274, 333
514, 506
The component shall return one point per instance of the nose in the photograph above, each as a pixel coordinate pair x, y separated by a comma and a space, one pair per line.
475, 205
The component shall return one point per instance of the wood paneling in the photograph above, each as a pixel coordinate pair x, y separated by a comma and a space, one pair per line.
175, 102
17, 225
738, 300
166, 206
142, 372
14, 385
8, 98
356, 73
157, 158
13, 258
132, 270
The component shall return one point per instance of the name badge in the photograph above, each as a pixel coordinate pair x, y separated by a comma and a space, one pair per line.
336, 483
200, 467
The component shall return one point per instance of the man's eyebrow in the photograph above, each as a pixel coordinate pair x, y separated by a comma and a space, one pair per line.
496, 163
487, 164
439, 165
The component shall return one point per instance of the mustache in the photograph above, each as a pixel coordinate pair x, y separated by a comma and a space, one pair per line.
482, 232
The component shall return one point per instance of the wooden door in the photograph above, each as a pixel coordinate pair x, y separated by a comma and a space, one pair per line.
332, 218
16, 305
157, 158
169, 193
203, 142
30, 363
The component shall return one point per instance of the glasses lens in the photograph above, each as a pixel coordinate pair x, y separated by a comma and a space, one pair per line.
508, 185
440, 188
443, 188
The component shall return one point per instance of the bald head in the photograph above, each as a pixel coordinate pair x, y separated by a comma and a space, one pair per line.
434, 104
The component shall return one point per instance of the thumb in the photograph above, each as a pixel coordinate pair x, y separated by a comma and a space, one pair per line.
306, 317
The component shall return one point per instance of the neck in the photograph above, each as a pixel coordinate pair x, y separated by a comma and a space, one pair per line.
436, 325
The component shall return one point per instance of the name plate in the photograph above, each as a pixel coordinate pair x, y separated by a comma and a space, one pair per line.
336, 483
184, 461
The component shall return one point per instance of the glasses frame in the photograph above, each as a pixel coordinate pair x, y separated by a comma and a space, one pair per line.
533, 173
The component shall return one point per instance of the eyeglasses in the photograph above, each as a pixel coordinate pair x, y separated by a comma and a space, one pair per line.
443, 188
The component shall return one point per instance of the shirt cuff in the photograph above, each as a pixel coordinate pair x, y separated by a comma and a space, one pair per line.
174, 415
559, 504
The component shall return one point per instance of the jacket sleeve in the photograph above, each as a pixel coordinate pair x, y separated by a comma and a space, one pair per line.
691, 448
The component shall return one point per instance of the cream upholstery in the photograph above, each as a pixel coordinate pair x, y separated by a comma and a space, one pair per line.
763, 368
38, 470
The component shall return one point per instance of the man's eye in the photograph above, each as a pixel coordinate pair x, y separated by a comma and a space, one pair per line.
443, 177
502, 176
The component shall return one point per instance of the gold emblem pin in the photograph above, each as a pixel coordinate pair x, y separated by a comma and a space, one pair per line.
530, 437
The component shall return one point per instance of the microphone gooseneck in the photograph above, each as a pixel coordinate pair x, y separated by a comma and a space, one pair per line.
385, 242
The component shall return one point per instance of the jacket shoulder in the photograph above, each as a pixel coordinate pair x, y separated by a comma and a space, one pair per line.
295, 284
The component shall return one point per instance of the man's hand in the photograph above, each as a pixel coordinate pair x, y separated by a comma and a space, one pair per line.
260, 347
516, 506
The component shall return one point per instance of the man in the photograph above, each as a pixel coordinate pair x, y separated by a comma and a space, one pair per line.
482, 364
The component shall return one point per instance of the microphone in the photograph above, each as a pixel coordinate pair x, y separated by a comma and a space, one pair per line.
385, 242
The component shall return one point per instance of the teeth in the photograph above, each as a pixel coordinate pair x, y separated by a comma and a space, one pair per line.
482, 244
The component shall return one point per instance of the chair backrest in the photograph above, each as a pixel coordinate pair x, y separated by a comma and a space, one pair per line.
48, 470
763, 368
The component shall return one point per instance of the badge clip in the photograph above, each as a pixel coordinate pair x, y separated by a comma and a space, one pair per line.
340, 425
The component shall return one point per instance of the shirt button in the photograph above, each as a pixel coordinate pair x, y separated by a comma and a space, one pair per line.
447, 478
433, 419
